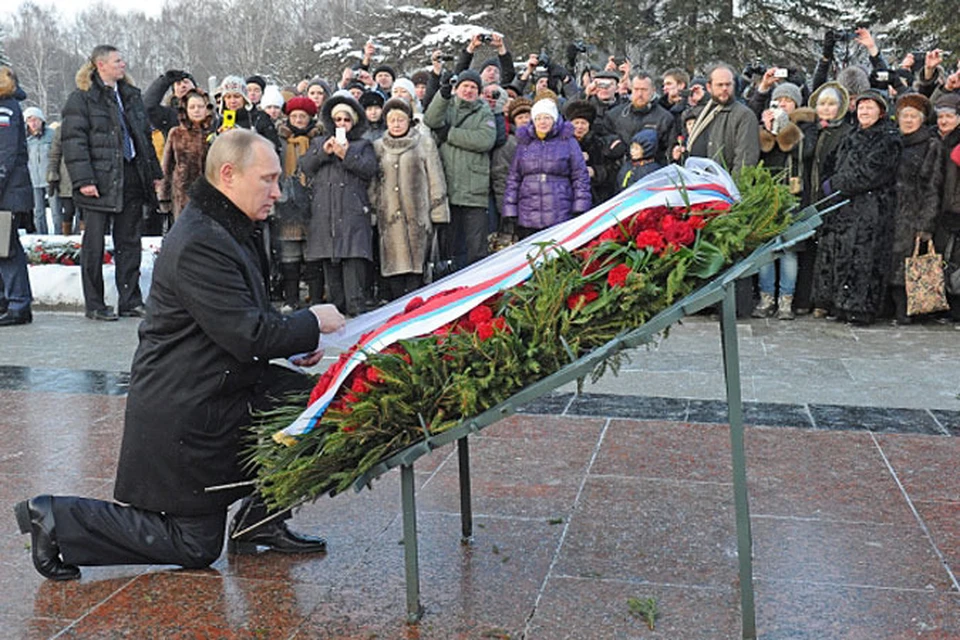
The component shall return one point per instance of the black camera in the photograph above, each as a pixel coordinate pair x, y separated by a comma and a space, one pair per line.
453, 80
580, 46
755, 68
446, 57
486, 38
495, 94
543, 59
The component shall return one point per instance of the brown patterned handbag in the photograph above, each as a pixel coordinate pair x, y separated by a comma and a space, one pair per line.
923, 276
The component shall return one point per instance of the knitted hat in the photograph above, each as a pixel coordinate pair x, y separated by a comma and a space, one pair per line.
787, 90
492, 62
344, 108
404, 83
519, 106
876, 96
258, 80
397, 104
469, 76
698, 81
647, 139
387, 68
917, 101
33, 112
545, 106
371, 99
580, 109
232, 84
355, 84
271, 97
949, 102
300, 103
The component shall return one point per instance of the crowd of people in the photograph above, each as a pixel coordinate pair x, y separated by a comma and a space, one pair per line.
389, 181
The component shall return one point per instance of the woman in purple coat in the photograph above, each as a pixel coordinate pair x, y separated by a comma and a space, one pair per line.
548, 181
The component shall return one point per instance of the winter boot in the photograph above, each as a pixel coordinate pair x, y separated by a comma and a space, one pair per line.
766, 307
785, 308
291, 286
313, 276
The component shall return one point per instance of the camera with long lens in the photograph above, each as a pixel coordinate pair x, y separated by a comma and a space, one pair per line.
755, 68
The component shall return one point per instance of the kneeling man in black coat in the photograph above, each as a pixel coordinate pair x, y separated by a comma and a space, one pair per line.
201, 367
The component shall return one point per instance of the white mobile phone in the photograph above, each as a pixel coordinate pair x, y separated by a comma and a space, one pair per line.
341, 136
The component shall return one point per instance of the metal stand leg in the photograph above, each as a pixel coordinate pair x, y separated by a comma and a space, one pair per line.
466, 510
410, 559
731, 369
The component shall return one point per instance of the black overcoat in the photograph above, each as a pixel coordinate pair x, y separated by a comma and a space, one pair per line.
205, 345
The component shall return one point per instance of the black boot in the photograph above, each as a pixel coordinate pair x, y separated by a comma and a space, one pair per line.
313, 276
35, 516
290, 272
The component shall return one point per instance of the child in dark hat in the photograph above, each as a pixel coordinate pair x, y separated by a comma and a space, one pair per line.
643, 147
372, 103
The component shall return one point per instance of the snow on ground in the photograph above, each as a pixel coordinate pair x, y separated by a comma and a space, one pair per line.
59, 285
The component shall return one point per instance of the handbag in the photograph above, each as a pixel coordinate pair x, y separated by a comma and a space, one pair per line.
7, 233
436, 268
294, 201
923, 277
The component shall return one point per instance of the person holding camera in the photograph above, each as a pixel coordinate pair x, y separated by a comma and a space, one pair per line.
468, 130
787, 134
340, 165
235, 110
164, 117
497, 70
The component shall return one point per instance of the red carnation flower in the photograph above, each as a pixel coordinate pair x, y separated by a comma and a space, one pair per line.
613, 234
480, 314
697, 222
650, 238
359, 385
413, 304
500, 324
678, 232
373, 375
583, 297
485, 331
617, 277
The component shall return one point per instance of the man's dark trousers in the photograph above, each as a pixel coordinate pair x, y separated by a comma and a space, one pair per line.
126, 247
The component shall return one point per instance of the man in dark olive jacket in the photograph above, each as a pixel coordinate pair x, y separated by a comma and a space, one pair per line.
202, 364
109, 154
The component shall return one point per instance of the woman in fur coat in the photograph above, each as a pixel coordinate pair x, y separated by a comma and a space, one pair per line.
186, 150
409, 197
919, 178
853, 260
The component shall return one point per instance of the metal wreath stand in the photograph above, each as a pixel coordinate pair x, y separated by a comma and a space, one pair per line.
719, 290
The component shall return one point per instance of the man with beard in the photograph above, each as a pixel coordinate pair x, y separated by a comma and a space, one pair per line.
642, 112
726, 130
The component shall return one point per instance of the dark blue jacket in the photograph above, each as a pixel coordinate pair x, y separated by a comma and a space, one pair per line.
16, 191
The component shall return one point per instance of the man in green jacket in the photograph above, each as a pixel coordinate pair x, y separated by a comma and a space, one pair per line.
466, 127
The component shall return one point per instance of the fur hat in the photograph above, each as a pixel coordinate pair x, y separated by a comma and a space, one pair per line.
344, 102
949, 101
787, 90
469, 75
386, 68
548, 94
258, 80
34, 112
344, 108
397, 104
519, 106
580, 109
918, 101
272, 97
854, 79
545, 106
355, 84
300, 103
647, 139
420, 77
371, 99
876, 96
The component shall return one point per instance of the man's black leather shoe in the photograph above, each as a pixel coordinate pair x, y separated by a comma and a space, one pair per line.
106, 315
10, 318
138, 311
276, 537
35, 516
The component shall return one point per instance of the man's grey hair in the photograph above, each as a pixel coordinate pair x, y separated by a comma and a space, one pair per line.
234, 147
